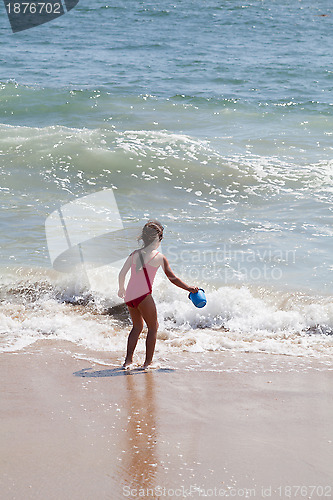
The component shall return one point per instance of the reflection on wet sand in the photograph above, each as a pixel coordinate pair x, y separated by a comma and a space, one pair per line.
140, 462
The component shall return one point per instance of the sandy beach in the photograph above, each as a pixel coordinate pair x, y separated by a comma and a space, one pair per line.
75, 429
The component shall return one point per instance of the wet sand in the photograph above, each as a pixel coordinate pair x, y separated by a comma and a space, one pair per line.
75, 429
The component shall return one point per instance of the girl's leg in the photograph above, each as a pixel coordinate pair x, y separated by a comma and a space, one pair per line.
134, 334
148, 311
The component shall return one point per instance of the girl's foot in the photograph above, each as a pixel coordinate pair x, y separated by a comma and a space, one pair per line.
126, 364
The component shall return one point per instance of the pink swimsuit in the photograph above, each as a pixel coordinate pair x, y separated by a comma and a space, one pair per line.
140, 285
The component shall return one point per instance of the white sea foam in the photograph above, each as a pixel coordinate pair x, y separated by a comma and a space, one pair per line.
237, 319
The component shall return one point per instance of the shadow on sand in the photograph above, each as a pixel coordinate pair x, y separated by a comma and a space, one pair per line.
116, 372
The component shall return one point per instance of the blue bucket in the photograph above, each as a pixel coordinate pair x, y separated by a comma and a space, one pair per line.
199, 298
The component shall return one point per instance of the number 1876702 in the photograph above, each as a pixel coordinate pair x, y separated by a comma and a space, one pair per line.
33, 8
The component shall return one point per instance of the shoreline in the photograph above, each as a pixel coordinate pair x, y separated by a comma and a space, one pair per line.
73, 428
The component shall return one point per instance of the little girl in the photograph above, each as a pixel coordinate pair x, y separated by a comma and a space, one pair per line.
144, 264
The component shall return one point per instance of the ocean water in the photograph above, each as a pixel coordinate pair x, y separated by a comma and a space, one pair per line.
214, 118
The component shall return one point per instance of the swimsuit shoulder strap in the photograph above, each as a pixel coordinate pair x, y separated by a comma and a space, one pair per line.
145, 271
131, 255
152, 257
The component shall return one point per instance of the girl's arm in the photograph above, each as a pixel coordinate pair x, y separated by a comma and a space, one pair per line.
174, 279
122, 275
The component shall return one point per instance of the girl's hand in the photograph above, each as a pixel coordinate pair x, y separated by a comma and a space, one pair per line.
121, 293
193, 289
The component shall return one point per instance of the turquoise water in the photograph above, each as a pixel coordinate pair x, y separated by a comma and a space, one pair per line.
213, 117
256, 51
